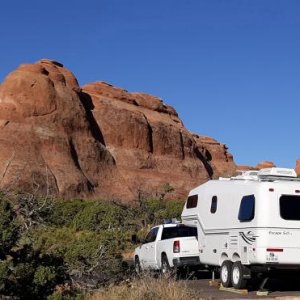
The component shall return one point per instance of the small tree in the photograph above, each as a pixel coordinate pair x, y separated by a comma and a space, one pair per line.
167, 188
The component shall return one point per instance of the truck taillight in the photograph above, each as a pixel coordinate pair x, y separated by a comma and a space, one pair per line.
176, 247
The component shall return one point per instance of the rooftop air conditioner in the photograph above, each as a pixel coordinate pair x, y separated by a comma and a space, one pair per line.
278, 172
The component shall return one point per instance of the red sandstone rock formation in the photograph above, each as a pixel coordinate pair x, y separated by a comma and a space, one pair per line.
47, 140
217, 155
241, 168
150, 144
261, 165
265, 164
297, 169
100, 141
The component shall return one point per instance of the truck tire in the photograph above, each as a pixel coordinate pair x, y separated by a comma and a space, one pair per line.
225, 273
237, 276
137, 265
165, 269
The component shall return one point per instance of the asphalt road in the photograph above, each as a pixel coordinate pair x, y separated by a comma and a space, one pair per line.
280, 287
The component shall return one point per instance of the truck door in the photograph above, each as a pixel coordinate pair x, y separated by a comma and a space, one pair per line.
152, 249
147, 251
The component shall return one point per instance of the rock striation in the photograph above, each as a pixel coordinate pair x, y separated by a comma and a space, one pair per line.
97, 141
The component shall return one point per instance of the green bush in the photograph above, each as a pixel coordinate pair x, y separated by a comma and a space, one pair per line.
84, 253
46, 243
44, 275
63, 212
4, 273
154, 211
9, 227
88, 215
97, 216
172, 209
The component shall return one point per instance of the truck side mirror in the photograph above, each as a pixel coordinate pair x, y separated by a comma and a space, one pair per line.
134, 239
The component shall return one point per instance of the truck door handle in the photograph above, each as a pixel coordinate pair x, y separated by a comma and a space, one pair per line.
147, 247
152, 246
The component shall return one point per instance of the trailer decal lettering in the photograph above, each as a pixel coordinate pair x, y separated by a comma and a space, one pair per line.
280, 232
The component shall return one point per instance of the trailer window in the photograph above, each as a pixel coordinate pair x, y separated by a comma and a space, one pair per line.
192, 201
290, 207
247, 207
178, 231
214, 203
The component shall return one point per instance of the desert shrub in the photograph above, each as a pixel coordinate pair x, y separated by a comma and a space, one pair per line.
172, 209
24, 273
32, 210
147, 288
46, 243
148, 211
64, 211
154, 211
9, 227
4, 273
28, 274
98, 215
66, 295
88, 215
151, 212
85, 254
44, 275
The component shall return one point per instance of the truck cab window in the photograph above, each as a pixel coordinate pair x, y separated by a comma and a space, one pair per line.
214, 204
290, 207
178, 232
247, 207
151, 236
192, 201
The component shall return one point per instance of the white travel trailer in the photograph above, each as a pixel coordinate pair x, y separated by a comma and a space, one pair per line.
247, 224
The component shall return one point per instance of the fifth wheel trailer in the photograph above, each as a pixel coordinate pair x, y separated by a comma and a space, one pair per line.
247, 224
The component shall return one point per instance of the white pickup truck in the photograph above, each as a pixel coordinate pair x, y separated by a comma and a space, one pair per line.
167, 247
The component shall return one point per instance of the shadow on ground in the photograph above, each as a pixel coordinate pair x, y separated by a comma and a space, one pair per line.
277, 284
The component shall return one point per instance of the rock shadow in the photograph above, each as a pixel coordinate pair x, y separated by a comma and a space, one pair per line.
88, 105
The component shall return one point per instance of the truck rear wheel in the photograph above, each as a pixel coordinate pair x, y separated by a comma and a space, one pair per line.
237, 276
225, 273
166, 270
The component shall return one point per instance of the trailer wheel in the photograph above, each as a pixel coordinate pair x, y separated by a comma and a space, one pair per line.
225, 273
137, 265
237, 275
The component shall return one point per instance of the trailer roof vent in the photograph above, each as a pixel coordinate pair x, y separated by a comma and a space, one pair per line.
278, 172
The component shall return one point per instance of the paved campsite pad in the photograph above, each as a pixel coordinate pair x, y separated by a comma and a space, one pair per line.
279, 288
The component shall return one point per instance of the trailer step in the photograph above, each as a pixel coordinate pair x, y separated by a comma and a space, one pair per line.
262, 293
233, 290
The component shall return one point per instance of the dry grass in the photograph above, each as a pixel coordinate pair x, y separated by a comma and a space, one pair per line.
147, 288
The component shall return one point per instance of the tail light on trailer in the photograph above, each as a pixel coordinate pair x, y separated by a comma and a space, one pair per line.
272, 255
274, 250
176, 247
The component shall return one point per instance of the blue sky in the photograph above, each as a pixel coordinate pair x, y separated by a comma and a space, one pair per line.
231, 68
